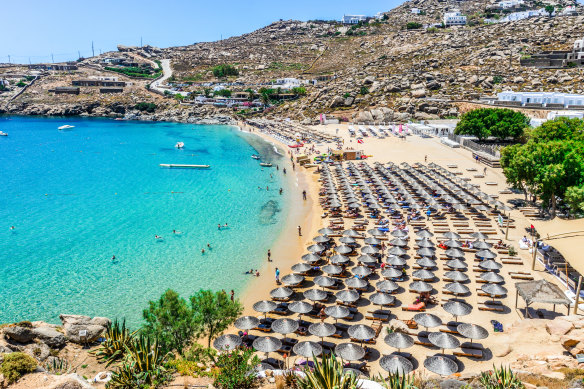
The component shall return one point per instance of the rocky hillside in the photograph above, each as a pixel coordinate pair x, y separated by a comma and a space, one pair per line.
379, 70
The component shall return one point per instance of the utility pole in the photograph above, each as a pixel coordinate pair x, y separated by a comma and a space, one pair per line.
52, 58
29, 61
141, 42
79, 52
9, 58
92, 50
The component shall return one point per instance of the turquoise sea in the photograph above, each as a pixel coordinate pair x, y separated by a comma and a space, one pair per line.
78, 197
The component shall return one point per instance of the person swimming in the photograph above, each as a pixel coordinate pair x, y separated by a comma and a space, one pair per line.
12, 227
157, 237
202, 251
209, 246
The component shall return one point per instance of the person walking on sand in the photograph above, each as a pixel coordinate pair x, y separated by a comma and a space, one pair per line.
232, 295
284, 171
304, 194
277, 276
299, 231
269, 256
485, 171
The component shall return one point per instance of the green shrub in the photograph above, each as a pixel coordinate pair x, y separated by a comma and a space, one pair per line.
236, 369
16, 365
299, 91
148, 107
58, 366
328, 374
136, 72
21, 84
397, 381
500, 378
497, 79
512, 251
413, 25
143, 366
223, 92
113, 348
364, 90
221, 71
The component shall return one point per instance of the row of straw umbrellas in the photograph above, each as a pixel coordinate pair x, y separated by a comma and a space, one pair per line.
364, 188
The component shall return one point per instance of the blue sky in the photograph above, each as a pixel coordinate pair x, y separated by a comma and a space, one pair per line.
36, 28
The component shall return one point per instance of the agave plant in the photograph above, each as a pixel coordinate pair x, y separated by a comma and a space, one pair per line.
114, 347
328, 374
500, 378
58, 366
397, 381
143, 365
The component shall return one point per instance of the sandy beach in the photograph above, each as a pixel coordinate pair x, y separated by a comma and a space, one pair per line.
413, 149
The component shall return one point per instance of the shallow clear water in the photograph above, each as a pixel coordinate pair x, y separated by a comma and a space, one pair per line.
78, 197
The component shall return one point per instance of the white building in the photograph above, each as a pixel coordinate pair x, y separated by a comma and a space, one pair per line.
454, 18
523, 15
509, 3
565, 99
289, 83
415, 11
379, 15
578, 51
353, 19
534, 122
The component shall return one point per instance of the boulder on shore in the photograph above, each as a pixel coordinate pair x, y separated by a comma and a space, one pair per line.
74, 324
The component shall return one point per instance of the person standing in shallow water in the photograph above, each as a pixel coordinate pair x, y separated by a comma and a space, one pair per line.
269, 256
299, 231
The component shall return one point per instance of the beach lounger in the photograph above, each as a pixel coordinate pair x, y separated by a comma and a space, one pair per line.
377, 316
449, 328
468, 352
341, 326
521, 276
490, 307
423, 341
415, 307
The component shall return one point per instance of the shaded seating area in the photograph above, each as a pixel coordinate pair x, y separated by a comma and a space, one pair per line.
540, 291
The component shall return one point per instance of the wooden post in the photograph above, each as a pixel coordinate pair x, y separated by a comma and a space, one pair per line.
578, 287
507, 230
534, 256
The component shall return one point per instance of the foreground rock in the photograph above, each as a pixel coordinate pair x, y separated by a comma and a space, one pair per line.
91, 328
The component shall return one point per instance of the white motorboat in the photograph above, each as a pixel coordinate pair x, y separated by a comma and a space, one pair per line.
179, 145
255, 156
2, 133
66, 127
265, 164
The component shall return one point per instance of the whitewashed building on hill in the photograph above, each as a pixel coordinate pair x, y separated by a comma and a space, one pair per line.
578, 51
353, 19
545, 98
415, 11
510, 3
454, 18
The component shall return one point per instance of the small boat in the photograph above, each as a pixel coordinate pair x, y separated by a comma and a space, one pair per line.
2, 133
265, 164
179, 145
66, 127
183, 166
255, 156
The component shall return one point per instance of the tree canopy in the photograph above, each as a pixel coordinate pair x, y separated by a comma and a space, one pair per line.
176, 322
171, 321
214, 312
550, 164
501, 123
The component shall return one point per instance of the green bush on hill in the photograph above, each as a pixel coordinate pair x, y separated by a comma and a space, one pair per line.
413, 25
221, 71
148, 107
136, 72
